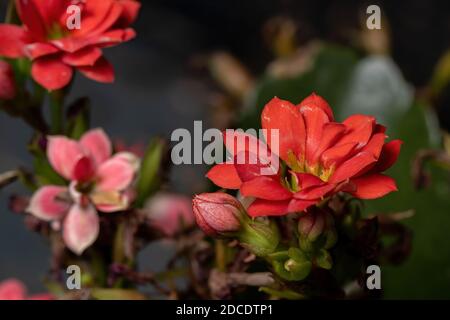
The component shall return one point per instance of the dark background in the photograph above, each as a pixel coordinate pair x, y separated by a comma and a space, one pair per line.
157, 90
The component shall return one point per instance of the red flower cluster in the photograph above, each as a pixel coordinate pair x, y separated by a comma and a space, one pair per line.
55, 50
321, 157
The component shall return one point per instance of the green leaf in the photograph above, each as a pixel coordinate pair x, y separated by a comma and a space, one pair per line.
149, 177
323, 259
78, 118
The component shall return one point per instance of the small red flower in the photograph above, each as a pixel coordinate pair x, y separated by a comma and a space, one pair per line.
321, 157
55, 50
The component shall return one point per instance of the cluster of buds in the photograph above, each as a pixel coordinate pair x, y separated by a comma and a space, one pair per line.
221, 215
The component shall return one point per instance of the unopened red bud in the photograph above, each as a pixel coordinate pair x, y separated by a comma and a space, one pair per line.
217, 213
311, 225
7, 82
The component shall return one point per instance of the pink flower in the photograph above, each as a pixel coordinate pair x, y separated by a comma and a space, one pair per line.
7, 82
98, 181
170, 212
12, 289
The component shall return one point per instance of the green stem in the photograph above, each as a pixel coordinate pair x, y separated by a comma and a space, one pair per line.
221, 255
10, 12
56, 111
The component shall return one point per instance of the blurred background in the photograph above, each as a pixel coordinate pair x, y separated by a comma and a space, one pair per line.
221, 61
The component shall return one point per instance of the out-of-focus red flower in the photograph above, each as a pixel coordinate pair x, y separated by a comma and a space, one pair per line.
98, 181
170, 213
322, 157
7, 82
45, 38
217, 213
12, 289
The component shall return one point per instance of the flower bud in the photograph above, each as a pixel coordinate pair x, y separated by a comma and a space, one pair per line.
7, 82
291, 265
314, 226
218, 213
261, 237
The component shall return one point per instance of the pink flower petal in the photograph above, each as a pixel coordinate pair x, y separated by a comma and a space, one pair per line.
46, 205
115, 174
97, 143
170, 212
12, 289
80, 228
63, 154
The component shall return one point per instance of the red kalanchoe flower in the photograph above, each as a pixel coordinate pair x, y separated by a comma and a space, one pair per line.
56, 50
7, 82
322, 157
12, 289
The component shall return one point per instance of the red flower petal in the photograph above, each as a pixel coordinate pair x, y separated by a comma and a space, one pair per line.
39, 49
248, 166
83, 57
51, 10
315, 120
297, 205
359, 129
130, 10
352, 167
331, 133
31, 17
388, 156
336, 155
84, 169
51, 73
265, 188
12, 41
315, 192
94, 13
316, 101
375, 144
260, 208
101, 71
225, 176
306, 180
373, 186
283, 116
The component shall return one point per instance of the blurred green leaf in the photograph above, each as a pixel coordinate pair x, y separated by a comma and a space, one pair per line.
78, 118
149, 177
329, 78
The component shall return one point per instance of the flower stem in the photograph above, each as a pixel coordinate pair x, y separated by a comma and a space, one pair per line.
56, 111
10, 12
221, 255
